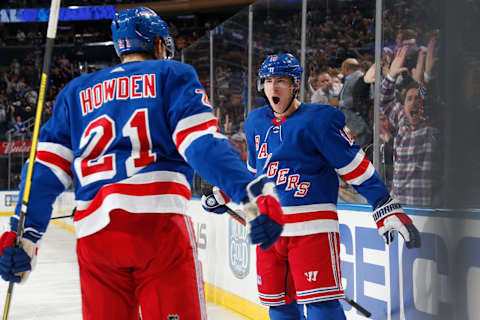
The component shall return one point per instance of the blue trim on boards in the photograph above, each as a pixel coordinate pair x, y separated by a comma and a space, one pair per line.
473, 213
469, 213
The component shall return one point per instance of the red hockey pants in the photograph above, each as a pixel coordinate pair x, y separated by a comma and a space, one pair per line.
141, 263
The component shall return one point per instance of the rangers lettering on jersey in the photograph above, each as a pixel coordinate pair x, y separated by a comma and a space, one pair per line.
121, 88
291, 181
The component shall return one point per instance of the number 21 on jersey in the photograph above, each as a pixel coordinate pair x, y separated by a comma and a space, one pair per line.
94, 165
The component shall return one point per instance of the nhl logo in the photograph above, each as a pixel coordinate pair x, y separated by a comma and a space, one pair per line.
173, 317
346, 134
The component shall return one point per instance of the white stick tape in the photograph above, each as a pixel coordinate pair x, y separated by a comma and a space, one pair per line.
53, 19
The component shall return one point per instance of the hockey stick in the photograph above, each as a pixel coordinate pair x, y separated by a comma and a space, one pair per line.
361, 309
69, 216
240, 218
236, 216
51, 33
61, 217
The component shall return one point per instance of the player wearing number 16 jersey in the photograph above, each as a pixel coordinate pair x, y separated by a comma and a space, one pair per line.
303, 148
129, 137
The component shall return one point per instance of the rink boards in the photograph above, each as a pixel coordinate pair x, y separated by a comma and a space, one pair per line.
391, 282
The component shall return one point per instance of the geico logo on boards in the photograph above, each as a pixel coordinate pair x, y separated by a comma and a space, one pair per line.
291, 182
391, 281
239, 249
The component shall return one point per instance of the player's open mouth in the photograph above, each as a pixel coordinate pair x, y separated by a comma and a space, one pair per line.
276, 100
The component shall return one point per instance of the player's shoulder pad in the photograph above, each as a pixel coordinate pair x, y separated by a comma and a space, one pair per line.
323, 115
318, 108
173, 67
259, 114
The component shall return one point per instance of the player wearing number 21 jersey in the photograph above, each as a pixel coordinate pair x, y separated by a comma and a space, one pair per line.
155, 115
129, 138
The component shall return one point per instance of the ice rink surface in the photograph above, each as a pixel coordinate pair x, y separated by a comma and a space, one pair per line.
52, 291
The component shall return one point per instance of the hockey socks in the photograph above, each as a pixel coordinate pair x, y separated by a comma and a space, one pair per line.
291, 311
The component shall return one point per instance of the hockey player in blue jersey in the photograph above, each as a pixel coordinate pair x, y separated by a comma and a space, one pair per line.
303, 148
129, 138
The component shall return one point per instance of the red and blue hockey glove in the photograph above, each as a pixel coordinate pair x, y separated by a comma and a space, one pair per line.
216, 202
16, 263
263, 212
389, 217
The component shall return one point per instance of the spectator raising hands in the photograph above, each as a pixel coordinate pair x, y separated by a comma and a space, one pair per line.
415, 142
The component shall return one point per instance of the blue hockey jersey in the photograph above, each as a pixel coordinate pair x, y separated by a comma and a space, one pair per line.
304, 154
129, 137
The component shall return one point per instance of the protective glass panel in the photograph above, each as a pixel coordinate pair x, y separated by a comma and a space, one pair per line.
230, 61
276, 29
198, 56
220, 58
428, 120
410, 100
339, 51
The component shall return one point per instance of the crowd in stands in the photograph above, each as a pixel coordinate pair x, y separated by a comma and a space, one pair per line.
19, 90
339, 71
20, 77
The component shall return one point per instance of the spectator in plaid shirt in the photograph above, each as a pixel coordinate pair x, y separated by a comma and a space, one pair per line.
414, 142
